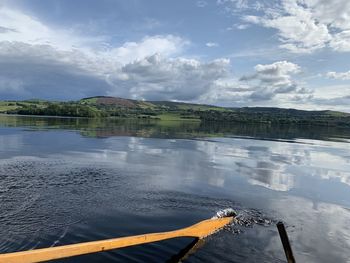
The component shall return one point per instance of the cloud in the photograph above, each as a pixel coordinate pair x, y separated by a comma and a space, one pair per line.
339, 75
341, 41
37, 60
15, 26
304, 26
212, 44
6, 29
44, 71
270, 85
252, 19
242, 26
62, 65
168, 45
227, 91
273, 79
29, 71
65, 67
327, 96
160, 78
233, 5
201, 3
340, 102
44, 61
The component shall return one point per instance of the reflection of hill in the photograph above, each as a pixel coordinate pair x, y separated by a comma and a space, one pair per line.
273, 165
173, 129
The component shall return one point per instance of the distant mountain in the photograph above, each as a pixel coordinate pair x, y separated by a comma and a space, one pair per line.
129, 103
114, 101
104, 106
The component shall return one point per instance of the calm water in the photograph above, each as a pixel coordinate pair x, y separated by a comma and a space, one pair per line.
64, 181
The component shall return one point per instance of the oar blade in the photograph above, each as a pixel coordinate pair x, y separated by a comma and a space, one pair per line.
208, 227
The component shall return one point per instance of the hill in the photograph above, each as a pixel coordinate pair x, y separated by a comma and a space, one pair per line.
104, 106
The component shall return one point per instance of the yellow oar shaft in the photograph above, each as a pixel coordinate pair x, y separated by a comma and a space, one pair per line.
199, 230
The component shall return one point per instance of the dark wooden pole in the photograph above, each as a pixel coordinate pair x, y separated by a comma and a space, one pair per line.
285, 242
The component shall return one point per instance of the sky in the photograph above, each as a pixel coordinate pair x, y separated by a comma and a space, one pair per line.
234, 53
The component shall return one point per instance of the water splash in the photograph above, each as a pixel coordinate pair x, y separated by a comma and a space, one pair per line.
244, 219
248, 218
225, 213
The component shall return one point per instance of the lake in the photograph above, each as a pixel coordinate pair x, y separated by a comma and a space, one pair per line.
70, 180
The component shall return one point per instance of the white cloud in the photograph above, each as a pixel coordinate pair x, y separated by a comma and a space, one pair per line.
201, 3
339, 75
212, 44
281, 68
242, 26
275, 79
161, 78
130, 51
252, 19
341, 41
304, 26
57, 63
270, 85
332, 97
37, 60
234, 4
340, 103
238, 26
334, 13
43, 70
277, 74
19, 27
228, 92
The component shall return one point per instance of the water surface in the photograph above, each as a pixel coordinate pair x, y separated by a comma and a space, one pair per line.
65, 181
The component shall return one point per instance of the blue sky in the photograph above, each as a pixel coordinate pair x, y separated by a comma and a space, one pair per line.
285, 53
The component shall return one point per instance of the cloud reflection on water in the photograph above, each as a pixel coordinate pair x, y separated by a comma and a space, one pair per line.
306, 182
274, 165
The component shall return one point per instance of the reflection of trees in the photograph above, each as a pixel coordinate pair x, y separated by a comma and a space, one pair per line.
272, 165
108, 127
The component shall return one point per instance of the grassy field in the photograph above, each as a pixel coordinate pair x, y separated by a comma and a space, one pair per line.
90, 101
146, 105
175, 117
200, 107
337, 114
7, 106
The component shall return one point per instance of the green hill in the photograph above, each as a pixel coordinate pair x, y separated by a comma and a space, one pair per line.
104, 106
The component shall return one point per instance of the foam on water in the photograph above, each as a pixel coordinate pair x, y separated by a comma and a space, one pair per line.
243, 218
225, 213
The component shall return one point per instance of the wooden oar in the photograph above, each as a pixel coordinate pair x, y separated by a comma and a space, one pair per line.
199, 230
